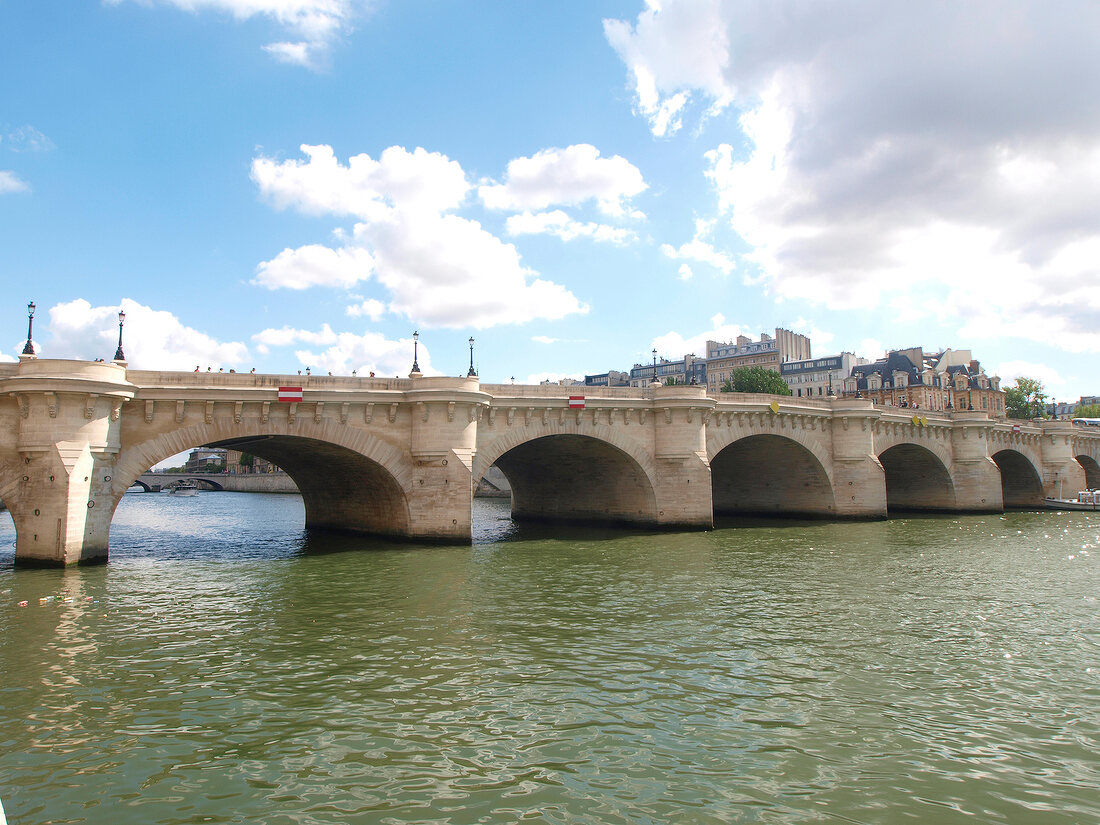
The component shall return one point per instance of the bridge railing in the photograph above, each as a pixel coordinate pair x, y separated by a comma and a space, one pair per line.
153, 378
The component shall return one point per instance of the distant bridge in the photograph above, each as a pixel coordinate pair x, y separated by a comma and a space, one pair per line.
401, 457
230, 482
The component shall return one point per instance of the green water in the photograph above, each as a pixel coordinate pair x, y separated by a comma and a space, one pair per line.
226, 667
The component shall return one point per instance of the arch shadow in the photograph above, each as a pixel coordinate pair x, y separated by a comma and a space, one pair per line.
577, 479
1092, 471
342, 490
772, 476
916, 480
1021, 484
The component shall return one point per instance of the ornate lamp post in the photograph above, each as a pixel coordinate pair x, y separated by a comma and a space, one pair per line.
471, 373
655, 380
119, 354
29, 348
416, 366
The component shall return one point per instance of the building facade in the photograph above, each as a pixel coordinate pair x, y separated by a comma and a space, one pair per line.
691, 369
910, 378
768, 352
819, 377
611, 378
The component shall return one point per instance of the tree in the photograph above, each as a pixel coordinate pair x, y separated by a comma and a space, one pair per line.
246, 460
1026, 400
672, 381
756, 379
1087, 411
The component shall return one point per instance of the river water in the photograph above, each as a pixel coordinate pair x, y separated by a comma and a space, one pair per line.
226, 667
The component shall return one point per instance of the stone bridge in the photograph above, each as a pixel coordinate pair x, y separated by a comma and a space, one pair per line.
401, 457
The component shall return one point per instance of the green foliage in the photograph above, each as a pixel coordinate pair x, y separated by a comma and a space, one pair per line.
672, 381
247, 460
1026, 400
1087, 411
756, 379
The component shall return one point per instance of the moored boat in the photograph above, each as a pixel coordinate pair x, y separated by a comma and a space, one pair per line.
1086, 500
183, 488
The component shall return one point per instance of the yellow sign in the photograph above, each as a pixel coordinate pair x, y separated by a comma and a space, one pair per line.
916, 421
775, 406
924, 421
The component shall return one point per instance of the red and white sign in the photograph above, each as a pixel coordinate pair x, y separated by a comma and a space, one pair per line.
1015, 428
576, 402
290, 394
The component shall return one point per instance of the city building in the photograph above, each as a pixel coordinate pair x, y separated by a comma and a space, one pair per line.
819, 377
691, 369
946, 380
723, 358
561, 382
611, 378
251, 463
205, 460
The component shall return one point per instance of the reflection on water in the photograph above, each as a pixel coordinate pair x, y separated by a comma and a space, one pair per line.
228, 667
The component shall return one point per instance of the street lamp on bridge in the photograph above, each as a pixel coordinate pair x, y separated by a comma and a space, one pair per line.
471, 373
416, 366
29, 348
119, 354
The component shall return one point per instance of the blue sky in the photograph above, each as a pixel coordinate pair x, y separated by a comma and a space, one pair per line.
288, 183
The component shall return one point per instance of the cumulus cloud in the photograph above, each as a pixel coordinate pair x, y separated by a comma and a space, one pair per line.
10, 182
315, 265
565, 176
701, 250
673, 345
930, 150
152, 339
318, 23
441, 269
1009, 371
343, 352
559, 224
370, 308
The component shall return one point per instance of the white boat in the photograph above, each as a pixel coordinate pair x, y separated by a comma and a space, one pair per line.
1086, 500
183, 488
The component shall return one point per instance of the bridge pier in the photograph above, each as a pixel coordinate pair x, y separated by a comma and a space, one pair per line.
58, 482
974, 473
859, 481
683, 490
1063, 475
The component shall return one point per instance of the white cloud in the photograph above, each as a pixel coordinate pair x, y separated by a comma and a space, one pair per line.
346, 351
10, 182
544, 339
417, 181
560, 224
448, 271
318, 22
152, 339
370, 308
566, 176
912, 149
701, 250
871, 348
674, 345
1009, 371
25, 139
315, 265
819, 338
684, 273
441, 269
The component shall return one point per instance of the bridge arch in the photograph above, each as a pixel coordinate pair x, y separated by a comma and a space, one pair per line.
1092, 471
568, 476
916, 479
1021, 482
348, 479
770, 474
